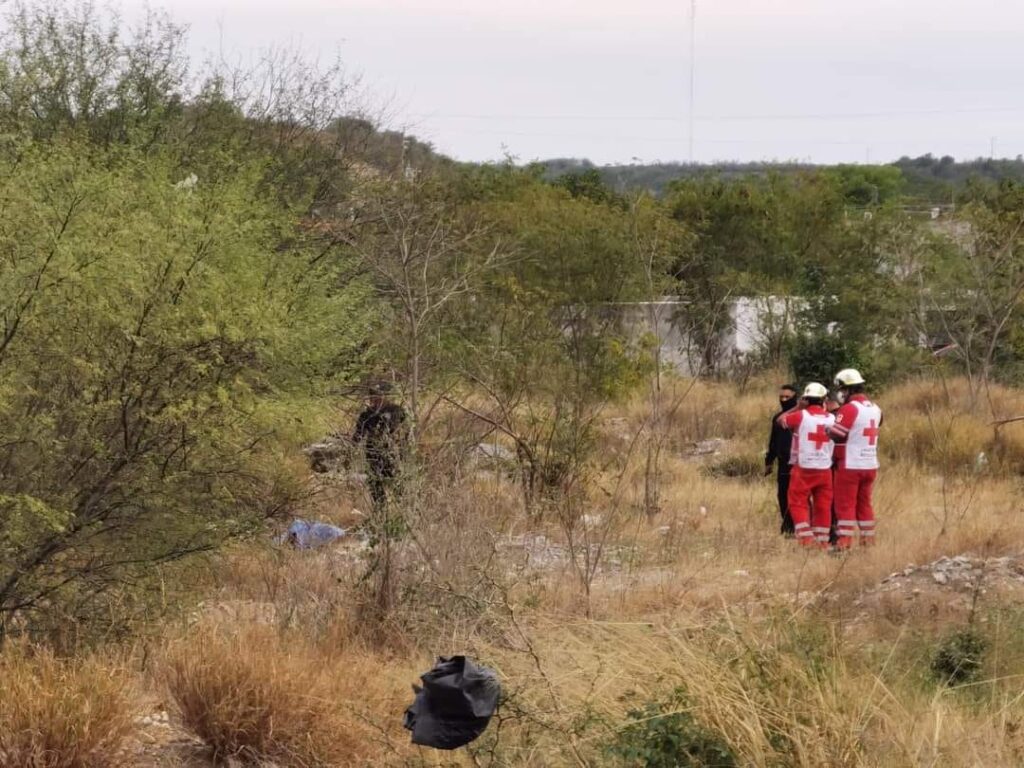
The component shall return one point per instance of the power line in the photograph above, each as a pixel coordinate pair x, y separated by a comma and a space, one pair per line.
693, 66
732, 117
736, 142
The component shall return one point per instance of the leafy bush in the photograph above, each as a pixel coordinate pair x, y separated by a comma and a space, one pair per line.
167, 307
158, 340
959, 657
819, 357
61, 714
666, 735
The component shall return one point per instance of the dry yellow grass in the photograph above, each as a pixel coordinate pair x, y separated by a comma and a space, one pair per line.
712, 558
56, 713
776, 693
256, 694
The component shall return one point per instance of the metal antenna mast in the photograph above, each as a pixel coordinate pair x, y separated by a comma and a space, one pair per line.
693, 66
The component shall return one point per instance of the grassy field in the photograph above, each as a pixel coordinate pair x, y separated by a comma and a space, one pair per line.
695, 636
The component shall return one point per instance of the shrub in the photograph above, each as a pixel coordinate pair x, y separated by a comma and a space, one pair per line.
62, 714
665, 735
255, 695
959, 657
820, 357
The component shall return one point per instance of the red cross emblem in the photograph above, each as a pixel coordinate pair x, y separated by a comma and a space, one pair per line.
819, 437
871, 433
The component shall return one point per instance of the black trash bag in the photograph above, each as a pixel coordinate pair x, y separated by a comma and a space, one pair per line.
455, 704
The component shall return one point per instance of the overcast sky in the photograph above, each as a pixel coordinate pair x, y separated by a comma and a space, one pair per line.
820, 80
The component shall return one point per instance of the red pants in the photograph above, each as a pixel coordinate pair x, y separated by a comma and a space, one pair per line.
811, 524
853, 505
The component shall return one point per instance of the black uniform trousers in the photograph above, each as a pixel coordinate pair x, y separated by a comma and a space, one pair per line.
782, 481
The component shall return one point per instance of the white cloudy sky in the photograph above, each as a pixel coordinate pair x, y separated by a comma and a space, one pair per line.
825, 80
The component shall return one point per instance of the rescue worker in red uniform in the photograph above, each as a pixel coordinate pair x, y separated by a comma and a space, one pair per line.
855, 433
810, 487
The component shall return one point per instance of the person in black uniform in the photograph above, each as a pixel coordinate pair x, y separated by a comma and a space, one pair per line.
780, 441
832, 405
382, 430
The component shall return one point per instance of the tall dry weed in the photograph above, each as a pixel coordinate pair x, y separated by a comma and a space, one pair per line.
57, 713
254, 694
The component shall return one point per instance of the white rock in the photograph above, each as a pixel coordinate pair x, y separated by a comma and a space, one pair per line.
188, 183
710, 447
940, 577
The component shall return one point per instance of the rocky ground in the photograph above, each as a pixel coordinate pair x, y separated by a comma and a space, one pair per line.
949, 586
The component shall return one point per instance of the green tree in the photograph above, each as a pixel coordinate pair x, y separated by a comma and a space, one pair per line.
757, 236
153, 338
549, 346
976, 290
64, 69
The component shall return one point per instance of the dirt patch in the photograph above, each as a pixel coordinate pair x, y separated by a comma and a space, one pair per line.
160, 743
947, 588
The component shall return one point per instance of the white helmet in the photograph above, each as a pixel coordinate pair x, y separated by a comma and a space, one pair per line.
814, 389
849, 377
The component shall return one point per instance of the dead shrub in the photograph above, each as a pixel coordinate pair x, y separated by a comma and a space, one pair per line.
62, 714
257, 695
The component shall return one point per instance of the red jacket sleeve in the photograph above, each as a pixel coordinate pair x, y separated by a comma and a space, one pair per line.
845, 417
790, 419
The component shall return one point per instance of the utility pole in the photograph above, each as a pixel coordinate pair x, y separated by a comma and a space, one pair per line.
693, 66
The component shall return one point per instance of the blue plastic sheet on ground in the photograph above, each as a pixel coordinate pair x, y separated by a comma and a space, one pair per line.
306, 535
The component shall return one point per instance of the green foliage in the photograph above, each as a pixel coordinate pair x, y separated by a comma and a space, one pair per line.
959, 657
773, 227
588, 185
666, 735
173, 313
927, 179
976, 287
760, 236
64, 70
868, 185
151, 336
544, 336
820, 357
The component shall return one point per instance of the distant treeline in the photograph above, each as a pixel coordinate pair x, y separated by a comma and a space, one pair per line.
925, 178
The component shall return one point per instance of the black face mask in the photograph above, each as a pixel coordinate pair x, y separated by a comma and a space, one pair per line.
787, 403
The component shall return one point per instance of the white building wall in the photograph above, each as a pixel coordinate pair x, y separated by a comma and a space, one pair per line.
751, 321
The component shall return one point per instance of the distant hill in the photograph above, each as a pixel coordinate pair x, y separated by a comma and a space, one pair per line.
927, 178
